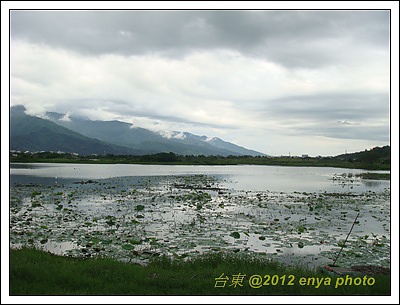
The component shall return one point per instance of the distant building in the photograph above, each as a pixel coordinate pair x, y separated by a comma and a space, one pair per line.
304, 156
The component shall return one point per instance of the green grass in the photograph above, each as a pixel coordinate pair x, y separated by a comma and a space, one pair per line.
33, 272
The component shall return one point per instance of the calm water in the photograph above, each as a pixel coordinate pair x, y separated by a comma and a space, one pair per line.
238, 177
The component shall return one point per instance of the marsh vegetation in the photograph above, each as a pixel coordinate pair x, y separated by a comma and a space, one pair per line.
136, 218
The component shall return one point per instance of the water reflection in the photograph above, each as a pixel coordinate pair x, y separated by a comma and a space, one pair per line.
238, 177
371, 183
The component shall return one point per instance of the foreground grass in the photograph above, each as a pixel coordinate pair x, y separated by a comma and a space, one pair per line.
33, 272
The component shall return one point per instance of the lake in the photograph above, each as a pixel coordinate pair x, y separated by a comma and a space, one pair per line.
239, 177
132, 212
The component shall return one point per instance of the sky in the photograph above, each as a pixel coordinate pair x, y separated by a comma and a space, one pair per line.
281, 82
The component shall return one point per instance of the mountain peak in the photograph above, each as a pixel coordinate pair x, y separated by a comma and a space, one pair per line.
172, 134
141, 141
208, 139
17, 110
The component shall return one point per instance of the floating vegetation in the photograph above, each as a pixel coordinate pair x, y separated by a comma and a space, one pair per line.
235, 235
301, 229
182, 216
374, 176
139, 207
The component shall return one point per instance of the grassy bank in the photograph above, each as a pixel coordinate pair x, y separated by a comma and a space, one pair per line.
34, 272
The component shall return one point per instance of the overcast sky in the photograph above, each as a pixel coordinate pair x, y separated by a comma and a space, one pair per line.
280, 82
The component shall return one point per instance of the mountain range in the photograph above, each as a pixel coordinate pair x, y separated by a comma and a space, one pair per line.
59, 132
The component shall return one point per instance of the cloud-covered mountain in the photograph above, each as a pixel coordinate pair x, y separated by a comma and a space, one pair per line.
37, 134
57, 131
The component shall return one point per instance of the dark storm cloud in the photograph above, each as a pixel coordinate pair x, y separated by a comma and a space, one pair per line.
291, 38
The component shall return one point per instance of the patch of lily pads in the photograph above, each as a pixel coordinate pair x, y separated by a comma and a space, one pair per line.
182, 216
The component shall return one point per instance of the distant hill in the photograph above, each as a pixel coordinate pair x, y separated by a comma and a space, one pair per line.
58, 132
147, 141
36, 134
374, 155
217, 142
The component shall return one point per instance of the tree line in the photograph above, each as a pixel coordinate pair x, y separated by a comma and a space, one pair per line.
375, 159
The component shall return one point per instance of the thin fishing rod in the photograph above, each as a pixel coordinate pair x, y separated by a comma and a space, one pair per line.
354, 222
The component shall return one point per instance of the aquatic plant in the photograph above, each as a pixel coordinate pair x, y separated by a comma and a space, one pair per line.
177, 217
